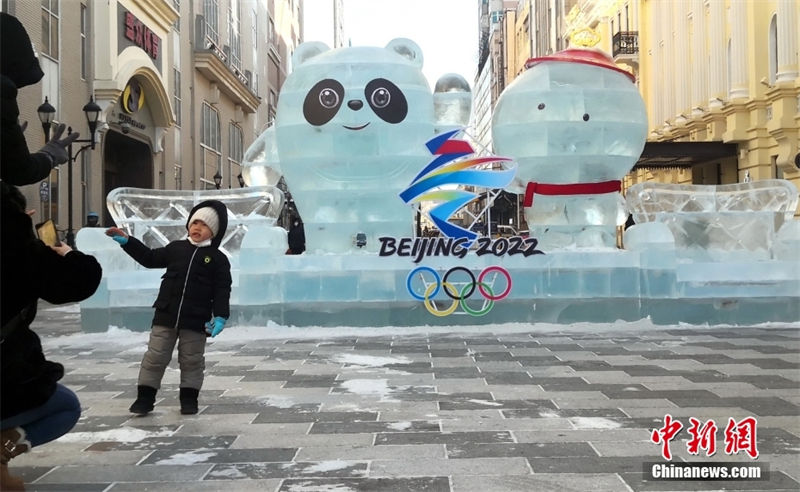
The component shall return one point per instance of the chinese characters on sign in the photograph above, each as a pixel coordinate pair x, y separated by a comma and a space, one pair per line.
140, 35
739, 436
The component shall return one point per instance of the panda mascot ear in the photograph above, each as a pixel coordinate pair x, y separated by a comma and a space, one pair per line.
407, 49
306, 51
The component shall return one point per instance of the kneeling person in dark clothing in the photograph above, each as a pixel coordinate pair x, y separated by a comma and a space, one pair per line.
195, 287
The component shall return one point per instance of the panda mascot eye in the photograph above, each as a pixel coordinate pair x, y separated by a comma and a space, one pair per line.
386, 100
323, 101
328, 98
380, 98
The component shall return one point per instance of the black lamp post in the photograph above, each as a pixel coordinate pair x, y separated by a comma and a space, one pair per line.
92, 111
217, 179
46, 114
241, 180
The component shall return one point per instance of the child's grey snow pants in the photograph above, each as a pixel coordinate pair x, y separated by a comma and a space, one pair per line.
191, 356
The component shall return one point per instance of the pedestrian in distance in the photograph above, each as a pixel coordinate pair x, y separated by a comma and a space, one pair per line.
196, 288
296, 237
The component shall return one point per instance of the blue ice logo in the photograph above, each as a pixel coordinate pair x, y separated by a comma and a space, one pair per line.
438, 180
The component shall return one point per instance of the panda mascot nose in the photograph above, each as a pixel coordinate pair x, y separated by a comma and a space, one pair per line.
355, 104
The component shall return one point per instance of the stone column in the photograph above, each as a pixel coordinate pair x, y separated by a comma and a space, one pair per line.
681, 54
787, 40
699, 62
738, 60
718, 44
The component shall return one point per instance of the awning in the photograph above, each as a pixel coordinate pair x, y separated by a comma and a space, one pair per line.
659, 155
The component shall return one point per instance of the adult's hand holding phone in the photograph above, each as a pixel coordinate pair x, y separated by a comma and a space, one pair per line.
61, 248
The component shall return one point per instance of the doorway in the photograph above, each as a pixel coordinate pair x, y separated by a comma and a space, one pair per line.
127, 162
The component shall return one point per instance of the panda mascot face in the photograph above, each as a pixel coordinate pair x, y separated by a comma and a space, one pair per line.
350, 130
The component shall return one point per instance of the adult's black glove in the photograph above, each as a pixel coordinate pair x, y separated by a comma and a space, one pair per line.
56, 147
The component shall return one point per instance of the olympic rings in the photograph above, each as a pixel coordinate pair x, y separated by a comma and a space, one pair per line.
429, 304
459, 298
490, 296
471, 283
481, 312
411, 275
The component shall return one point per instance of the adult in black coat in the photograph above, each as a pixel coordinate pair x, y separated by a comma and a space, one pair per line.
34, 408
20, 68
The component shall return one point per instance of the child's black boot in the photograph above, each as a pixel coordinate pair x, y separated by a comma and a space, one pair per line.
188, 399
145, 399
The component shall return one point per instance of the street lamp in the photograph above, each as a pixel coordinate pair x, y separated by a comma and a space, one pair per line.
241, 180
46, 115
217, 179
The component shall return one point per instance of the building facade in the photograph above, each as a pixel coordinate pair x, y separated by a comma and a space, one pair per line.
185, 86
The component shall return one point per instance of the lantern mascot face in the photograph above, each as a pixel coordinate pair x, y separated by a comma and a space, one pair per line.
351, 128
576, 124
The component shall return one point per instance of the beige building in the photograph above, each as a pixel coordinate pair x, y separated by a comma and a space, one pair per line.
720, 83
185, 86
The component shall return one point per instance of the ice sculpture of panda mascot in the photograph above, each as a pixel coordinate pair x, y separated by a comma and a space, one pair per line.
576, 124
350, 129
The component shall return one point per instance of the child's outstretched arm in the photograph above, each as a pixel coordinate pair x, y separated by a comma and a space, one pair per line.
148, 258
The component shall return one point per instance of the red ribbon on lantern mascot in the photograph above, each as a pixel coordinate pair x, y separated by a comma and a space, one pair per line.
569, 189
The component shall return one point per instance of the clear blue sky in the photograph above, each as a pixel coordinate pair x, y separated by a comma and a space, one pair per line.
446, 30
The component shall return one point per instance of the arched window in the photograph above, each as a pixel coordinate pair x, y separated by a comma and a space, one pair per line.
773, 49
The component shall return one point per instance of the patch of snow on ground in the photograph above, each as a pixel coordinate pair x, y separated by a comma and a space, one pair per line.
65, 308
546, 414
594, 423
188, 458
486, 402
375, 387
399, 426
326, 466
315, 487
232, 473
276, 401
369, 360
123, 434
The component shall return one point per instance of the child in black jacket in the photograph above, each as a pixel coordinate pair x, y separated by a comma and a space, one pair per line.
196, 285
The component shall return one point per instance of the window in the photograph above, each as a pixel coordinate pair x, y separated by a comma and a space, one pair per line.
235, 152
177, 5
84, 44
272, 108
211, 146
254, 38
773, 49
50, 21
234, 39
271, 32
211, 15
176, 94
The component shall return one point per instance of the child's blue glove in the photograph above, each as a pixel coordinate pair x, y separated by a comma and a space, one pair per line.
215, 326
117, 235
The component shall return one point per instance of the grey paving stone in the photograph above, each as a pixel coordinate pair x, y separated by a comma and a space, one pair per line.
448, 438
257, 471
205, 455
421, 484
525, 450
545, 482
281, 415
366, 427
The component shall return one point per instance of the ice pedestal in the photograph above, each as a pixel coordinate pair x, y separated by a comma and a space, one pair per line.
737, 222
658, 275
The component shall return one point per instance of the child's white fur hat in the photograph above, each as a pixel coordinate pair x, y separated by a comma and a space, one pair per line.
209, 216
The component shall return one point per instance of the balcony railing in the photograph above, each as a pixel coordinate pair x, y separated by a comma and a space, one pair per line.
625, 43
